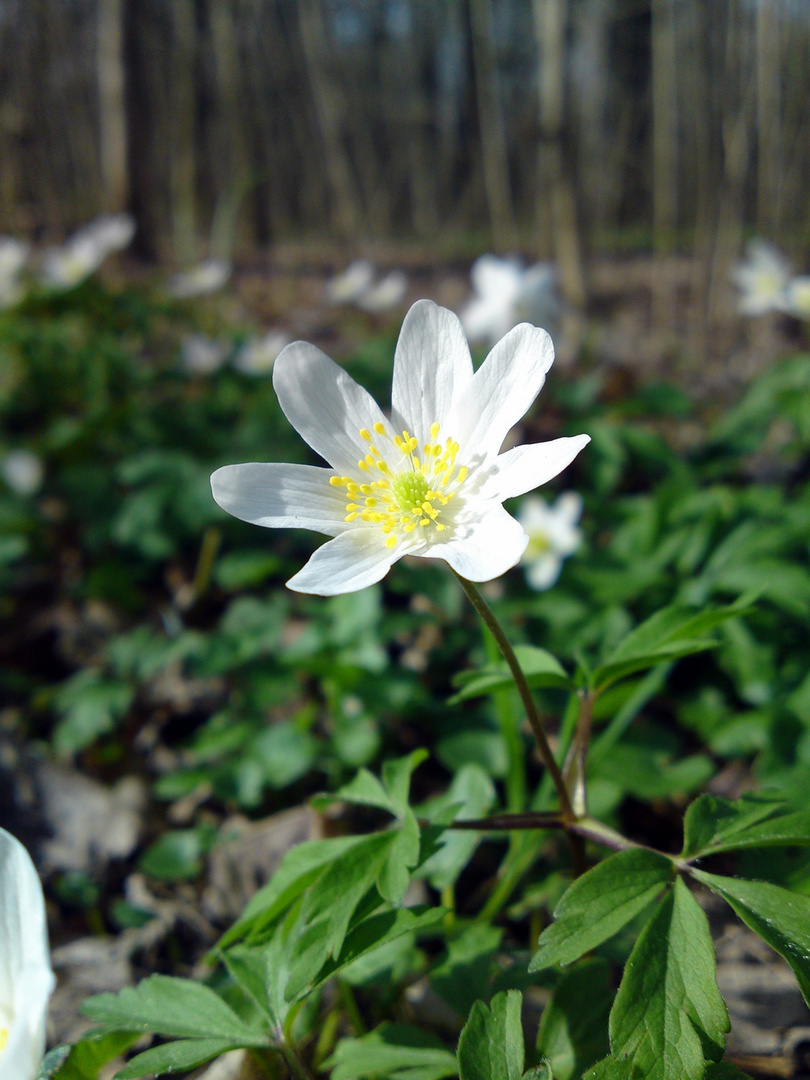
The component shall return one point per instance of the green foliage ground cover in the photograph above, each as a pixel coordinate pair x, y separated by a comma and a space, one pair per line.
686, 609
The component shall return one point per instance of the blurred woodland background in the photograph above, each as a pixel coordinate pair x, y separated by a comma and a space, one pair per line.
557, 127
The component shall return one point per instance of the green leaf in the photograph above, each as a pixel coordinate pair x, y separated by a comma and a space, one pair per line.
395, 874
84, 1060
174, 1007
175, 1057
668, 1016
299, 868
328, 907
89, 706
779, 917
472, 794
52, 1062
462, 976
714, 824
396, 775
573, 1030
610, 1068
671, 633
724, 1070
490, 1046
539, 667
395, 1051
177, 855
377, 931
598, 904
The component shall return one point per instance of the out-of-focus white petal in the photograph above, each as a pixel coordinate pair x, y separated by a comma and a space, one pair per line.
22, 471
257, 356
795, 298
542, 572
524, 468
761, 278
386, 294
26, 980
325, 405
352, 561
502, 389
349, 286
200, 355
432, 367
486, 550
279, 496
206, 278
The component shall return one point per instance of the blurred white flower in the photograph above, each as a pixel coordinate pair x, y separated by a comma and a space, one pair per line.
348, 286
205, 278
257, 356
22, 471
795, 298
388, 293
506, 293
86, 250
13, 257
553, 536
200, 355
761, 278
26, 979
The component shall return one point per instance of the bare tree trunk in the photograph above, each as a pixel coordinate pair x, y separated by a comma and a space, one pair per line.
111, 106
182, 156
493, 149
347, 214
555, 180
665, 148
769, 131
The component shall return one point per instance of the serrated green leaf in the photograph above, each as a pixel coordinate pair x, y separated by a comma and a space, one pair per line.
610, 1068
175, 1057
714, 824
668, 1017
779, 917
398, 1051
542, 1071
396, 776
472, 794
490, 1046
539, 667
669, 634
328, 908
169, 1006
377, 931
395, 874
598, 904
84, 1060
573, 1030
299, 868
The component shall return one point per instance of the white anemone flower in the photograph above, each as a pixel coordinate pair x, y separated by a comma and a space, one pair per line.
22, 471
257, 356
86, 250
388, 293
348, 286
205, 278
504, 293
761, 278
26, 979
429, 481
553, 536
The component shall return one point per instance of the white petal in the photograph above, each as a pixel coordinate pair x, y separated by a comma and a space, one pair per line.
432, 367
526, 467
325, 405
544, 571
494, 544
26, 979
280, 496
502, 389
353, 560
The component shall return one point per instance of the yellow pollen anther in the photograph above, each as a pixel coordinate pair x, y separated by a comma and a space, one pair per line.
379, 428
434, 430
